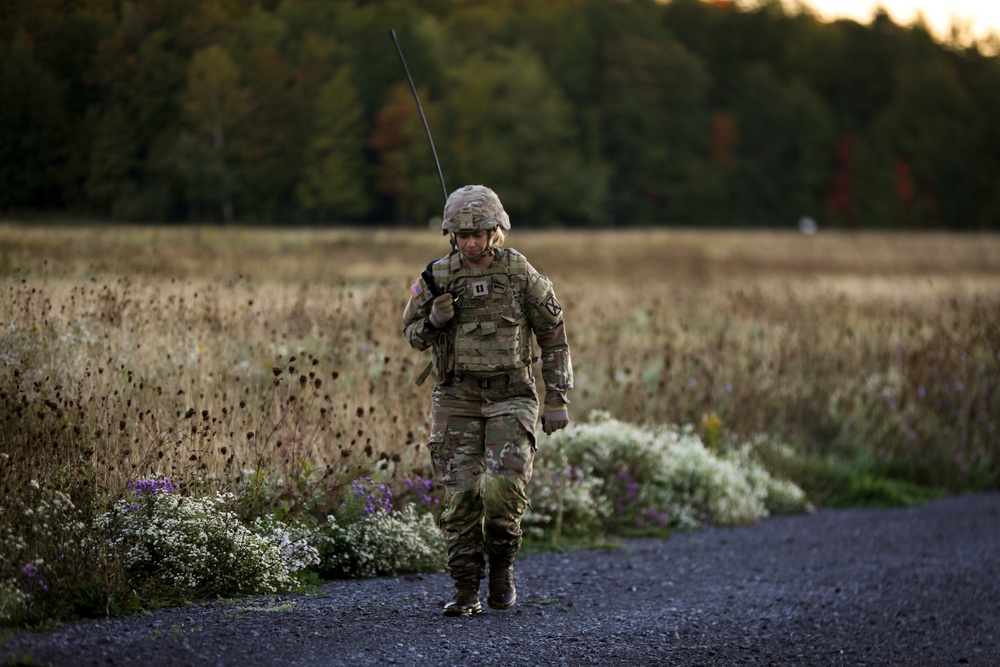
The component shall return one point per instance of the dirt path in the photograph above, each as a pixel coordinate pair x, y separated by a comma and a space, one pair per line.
841, 587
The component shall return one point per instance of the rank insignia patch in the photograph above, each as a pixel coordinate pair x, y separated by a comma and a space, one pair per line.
479, 288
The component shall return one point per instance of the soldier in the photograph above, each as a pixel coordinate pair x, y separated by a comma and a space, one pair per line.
478, 307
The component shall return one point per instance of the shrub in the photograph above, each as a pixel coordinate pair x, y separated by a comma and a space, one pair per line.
565, 502
294, 541
650, 479
195, 547
381, 543
43, 553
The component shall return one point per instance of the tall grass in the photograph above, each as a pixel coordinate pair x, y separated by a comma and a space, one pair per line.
208, 353
868, 354
270, 365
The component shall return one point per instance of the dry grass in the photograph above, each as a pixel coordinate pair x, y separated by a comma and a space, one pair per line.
217, 355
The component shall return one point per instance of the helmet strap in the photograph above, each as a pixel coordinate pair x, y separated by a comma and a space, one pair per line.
491, 240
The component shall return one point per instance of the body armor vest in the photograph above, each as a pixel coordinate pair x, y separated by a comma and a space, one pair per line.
490, 333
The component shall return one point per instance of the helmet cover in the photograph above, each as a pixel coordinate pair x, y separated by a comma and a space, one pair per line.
473, 208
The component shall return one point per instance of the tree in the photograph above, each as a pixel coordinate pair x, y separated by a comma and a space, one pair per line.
656, 131
213, 103
406, 169
579, 111
511, 128
333, 177
30, 128
785, 140
269, 144
936, 130
135, 123
114, 162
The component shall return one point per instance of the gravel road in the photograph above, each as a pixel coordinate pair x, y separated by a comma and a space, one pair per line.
914, 586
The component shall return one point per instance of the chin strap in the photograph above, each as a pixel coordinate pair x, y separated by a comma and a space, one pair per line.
490, 245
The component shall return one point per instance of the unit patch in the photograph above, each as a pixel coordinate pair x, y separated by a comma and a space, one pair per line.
552, 305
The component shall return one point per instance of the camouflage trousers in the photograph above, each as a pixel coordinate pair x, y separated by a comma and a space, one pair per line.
482, 448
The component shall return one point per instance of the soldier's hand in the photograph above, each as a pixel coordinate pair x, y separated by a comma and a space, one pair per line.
554, 418
442, 310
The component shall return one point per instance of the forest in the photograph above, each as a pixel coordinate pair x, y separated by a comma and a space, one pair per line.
579, 113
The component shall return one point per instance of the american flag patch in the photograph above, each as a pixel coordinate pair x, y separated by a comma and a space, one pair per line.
415, 289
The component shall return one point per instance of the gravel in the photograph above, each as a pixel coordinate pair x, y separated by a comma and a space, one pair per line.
913, 586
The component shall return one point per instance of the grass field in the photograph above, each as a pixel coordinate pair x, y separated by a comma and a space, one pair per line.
860, 368
205, 353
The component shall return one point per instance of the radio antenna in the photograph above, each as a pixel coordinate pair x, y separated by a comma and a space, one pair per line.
423, 118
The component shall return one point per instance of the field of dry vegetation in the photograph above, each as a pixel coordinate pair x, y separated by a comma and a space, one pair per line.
211, 354
864, 368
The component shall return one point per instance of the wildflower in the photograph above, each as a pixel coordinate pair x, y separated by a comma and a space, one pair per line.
422, 488
631, 490
34, 577
152, 487
654, 517
375, 498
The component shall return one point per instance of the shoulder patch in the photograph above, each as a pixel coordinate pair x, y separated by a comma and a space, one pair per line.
552, 305
415, 289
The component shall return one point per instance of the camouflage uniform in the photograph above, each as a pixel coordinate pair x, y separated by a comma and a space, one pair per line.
485, 406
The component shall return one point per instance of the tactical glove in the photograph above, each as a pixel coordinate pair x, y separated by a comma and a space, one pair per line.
442, 310
554, 418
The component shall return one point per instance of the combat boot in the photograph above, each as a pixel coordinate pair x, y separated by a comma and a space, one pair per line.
465, 601
502, 593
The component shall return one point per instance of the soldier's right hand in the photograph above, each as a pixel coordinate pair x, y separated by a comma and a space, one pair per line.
554, 418
442, 310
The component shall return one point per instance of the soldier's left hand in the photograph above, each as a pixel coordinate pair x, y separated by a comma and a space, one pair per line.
554, 418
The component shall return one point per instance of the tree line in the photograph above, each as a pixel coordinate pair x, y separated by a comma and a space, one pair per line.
581, 113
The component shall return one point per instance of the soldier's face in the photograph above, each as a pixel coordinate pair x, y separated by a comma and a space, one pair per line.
472, 244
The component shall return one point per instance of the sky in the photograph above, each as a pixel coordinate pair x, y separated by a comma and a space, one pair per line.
982, 16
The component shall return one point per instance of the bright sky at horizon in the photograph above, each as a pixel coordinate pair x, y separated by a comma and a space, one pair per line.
980, 17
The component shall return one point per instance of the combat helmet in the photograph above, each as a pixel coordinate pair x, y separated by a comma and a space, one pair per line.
473, 208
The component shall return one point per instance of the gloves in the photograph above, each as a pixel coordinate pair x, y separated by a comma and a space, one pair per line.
554, 418
442, 310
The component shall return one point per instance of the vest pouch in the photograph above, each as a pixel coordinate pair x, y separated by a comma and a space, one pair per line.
487, 328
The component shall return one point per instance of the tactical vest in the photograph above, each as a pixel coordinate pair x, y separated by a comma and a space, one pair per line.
490, 333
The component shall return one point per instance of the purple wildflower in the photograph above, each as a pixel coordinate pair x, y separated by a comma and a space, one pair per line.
422, 488
654, 517
152, 486
377, 498
629, 492
31, 573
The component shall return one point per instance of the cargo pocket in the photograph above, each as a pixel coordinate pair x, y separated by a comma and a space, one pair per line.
436, 447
